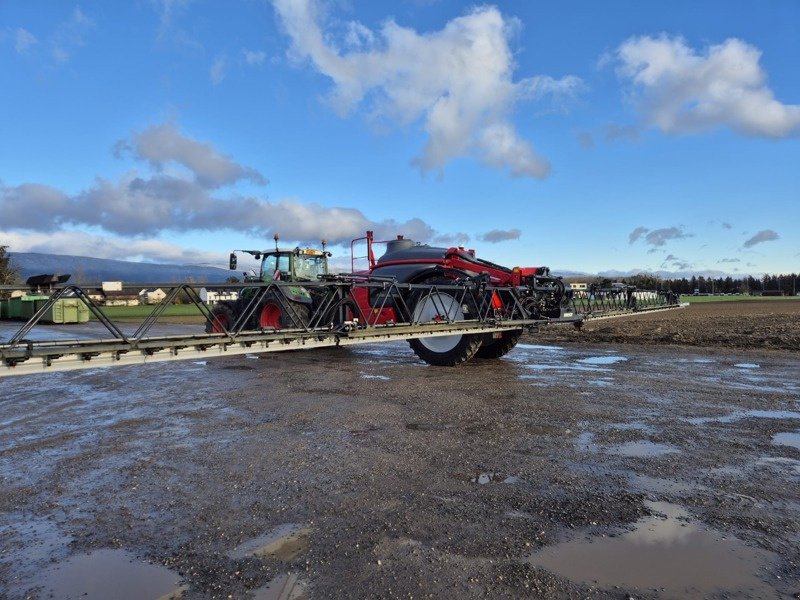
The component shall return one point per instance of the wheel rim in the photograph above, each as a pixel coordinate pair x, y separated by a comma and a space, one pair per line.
220, 323
439, 308
270, 316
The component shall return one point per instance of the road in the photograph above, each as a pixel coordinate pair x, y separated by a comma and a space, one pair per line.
557, 471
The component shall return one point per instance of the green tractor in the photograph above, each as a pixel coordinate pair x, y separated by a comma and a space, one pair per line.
282, 307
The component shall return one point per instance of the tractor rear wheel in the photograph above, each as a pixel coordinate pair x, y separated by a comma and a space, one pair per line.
446, 350
273, 314
492, 347
222, 319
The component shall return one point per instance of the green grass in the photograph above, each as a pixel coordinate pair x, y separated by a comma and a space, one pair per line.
744, 298
140, 312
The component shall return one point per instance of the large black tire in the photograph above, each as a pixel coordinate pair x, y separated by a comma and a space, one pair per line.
492, 347
441, 351
346, 308
273, 314
222, 319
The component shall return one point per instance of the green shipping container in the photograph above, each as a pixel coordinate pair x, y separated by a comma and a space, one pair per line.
70, 310
29, 306
15, 308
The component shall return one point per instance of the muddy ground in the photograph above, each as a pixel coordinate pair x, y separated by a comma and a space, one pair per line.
762, 324
569, 468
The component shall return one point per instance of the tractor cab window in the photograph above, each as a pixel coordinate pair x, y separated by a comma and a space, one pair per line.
309, 267
273, 264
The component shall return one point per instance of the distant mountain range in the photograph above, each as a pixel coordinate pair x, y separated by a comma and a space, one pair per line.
94, 270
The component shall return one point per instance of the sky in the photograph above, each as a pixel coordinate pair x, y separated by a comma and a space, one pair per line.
582, 135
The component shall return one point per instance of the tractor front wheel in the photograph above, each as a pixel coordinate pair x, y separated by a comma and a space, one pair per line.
445, 350
222, 319
274, 314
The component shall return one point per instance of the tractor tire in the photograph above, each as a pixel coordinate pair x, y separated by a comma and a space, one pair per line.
222, 319
441, 351
333, 317
496, 347
273, 315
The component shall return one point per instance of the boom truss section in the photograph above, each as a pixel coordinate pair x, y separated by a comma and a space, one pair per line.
333, 319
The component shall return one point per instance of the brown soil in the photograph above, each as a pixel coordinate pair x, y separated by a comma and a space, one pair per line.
761, 324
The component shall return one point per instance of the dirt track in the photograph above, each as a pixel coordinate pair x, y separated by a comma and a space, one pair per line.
366, 474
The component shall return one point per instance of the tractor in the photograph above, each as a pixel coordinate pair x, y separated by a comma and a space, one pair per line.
545, 297
281, 307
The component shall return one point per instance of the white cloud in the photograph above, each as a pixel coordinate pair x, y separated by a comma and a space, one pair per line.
767, 235
217, 70
167, 10
254, 57
679, 90
500, 235
658, 237
24, 39
79, 243
456, 81
636, 234
69, 35
164, 144
138, 206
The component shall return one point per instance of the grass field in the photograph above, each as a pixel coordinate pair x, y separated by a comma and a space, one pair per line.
141, 312
700, 299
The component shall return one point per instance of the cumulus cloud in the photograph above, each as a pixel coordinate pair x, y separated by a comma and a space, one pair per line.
79, 243
136, 206
457, 81
70, 34
217, 70
657, 237
729, 260
500, 235
140, 206
167, 10
727, 225
636, 234
163, 144
24, 39
680, 90
767, 235
254, 57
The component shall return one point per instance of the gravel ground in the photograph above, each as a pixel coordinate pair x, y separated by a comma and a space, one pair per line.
364, 473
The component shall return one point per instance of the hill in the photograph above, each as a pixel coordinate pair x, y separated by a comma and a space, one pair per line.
85, 269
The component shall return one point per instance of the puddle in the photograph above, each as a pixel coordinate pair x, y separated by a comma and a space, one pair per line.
564, 367
668, 552
642, 449
747, 366
484, 478
379, 377
781, 463
285, 543
202, 363
539, 347
585, 442
659, 485
282, 587
746, 414
109, 574
787, 439
602, 360
601, 382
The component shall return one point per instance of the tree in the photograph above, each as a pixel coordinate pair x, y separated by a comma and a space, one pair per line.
8, 272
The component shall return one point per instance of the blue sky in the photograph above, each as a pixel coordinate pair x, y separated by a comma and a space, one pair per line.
582, 135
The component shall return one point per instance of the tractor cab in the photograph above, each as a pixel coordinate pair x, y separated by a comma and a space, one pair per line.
300, 264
